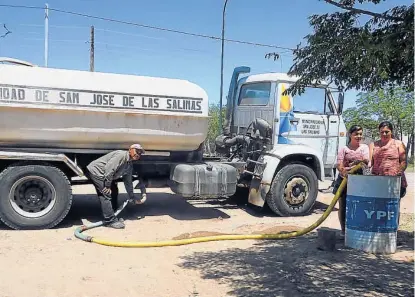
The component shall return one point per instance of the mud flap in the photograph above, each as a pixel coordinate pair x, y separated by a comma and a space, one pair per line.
256, 191
255, 197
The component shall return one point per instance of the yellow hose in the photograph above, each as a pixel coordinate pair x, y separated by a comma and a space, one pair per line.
229, 237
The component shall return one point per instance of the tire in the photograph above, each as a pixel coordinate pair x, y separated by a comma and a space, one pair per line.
34, 196
291, 183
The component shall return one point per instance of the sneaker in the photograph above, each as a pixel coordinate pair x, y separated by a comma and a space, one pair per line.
116, 224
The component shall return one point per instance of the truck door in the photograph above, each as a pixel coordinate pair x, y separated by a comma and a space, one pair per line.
309, 119
254, 101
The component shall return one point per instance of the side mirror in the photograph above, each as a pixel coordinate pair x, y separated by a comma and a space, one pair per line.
341, 103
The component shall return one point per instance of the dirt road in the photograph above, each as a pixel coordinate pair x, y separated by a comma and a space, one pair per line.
54, 263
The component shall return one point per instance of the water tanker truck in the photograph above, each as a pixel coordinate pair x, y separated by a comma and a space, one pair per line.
55, 121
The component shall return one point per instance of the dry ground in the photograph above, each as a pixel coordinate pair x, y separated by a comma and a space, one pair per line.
54, 263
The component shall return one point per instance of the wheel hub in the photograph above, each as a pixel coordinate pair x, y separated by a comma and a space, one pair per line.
32, 196
296, 191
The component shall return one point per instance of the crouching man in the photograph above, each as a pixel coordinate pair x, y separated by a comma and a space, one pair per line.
104, 171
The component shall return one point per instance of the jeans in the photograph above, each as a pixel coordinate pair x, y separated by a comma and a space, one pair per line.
109, 202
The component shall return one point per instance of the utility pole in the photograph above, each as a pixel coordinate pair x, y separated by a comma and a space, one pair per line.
221, 64
91, 51
46, 34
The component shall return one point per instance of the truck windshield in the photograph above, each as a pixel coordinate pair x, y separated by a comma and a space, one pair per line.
255, 93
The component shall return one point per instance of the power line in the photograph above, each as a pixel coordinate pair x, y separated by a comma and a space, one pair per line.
119, 45
106, 45
285, 53
96, 29
147, 26
280, 53
115, 44
57, 40
54, 26
129, 34
130, 47
174, 49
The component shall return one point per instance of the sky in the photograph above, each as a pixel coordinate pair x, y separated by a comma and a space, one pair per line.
128, 49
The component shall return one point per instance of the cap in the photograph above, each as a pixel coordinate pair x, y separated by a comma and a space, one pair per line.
138, 147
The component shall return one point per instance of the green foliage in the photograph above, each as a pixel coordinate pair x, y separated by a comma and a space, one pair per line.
394, 105
214, 129
358, 49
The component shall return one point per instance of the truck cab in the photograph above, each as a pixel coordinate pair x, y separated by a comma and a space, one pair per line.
311, 119
307, 128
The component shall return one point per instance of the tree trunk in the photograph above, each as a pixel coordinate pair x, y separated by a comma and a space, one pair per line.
410, 147
400, 129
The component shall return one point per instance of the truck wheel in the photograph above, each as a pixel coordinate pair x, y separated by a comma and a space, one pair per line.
34, 196
293, 191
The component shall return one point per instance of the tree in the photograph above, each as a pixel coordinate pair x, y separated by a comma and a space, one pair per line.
214, 129
394, 105
357, 49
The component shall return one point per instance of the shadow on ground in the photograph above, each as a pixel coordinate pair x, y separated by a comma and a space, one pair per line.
157, 204
240, 201
297, 268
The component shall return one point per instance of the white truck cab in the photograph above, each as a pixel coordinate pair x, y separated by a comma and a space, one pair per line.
311, 119
308, 130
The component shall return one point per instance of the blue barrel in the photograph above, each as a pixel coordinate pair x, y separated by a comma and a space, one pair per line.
372, 212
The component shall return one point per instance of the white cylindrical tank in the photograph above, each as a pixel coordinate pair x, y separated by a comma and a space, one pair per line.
58, 108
